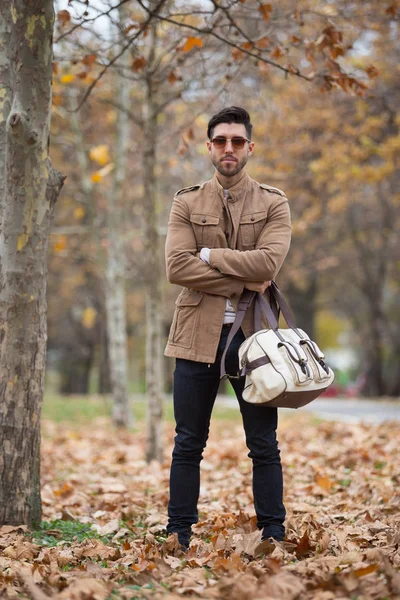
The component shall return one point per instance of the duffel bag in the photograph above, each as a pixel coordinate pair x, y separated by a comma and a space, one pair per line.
283, 367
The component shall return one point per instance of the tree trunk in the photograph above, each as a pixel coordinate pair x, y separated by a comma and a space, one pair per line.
87, 189
115, 271
375, 384
29, 188
154, 356
303, 303
75, 371
104, 378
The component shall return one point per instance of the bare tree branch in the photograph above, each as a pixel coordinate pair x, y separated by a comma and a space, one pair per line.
90, 20
151, 14
210, 31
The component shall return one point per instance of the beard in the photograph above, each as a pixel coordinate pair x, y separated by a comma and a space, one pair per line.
229, 169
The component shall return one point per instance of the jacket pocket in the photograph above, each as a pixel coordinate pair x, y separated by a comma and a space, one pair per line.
250, 227
185, 318
205, 229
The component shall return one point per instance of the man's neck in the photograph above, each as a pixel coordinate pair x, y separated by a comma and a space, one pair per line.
228, 182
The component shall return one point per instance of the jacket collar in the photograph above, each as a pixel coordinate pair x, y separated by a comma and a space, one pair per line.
237, 191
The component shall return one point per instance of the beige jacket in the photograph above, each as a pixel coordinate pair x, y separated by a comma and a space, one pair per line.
252, 248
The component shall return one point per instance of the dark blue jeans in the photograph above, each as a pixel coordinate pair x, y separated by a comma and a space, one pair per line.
195, 389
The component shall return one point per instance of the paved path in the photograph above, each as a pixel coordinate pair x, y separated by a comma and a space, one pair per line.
347, 410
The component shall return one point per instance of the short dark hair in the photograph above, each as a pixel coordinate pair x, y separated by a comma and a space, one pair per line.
231, 114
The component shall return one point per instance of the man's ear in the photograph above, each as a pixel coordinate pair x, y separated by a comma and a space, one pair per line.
251, 148
209, 147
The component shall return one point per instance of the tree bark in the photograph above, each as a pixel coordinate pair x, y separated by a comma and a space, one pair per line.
115, 271
154, 356
29, 188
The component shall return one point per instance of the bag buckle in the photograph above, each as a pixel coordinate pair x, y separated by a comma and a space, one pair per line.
238, 376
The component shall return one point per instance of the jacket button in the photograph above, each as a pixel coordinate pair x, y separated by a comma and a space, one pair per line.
204, 220
252, 219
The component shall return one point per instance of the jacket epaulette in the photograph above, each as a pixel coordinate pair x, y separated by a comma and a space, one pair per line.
274, 190
191, 188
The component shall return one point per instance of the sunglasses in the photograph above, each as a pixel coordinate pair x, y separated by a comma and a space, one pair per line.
237, 142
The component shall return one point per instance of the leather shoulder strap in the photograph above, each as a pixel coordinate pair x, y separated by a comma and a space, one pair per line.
245, 301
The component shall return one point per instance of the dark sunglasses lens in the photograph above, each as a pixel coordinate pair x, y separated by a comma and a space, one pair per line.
219, 142
238, 142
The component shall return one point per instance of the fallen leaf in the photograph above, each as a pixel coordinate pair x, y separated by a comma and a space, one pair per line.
304, 547
325, 483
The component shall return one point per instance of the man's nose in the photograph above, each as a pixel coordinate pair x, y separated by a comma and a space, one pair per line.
228, 146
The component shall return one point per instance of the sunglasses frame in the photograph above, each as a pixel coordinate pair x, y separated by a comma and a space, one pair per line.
236, 137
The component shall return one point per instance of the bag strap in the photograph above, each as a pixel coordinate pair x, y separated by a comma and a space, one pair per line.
245, 301
265, 307
261, 305
257, 310
280, 300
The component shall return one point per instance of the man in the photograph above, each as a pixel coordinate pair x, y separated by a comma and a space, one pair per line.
225, 235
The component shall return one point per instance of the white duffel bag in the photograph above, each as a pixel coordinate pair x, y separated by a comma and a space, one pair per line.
283, 367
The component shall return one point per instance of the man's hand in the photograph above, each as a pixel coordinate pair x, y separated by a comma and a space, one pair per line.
257, 286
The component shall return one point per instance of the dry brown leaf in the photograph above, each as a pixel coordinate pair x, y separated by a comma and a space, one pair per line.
63, 17
325, 483
265, 10
110, 527
108, 479
143, 565
173, 561
171, 545
85, 589
138, 64
365, 570
304, 547
35, 592
13, 528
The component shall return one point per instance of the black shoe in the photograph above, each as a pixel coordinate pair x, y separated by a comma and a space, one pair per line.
184, 546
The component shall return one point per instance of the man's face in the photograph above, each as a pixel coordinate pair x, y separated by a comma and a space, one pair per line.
229, 161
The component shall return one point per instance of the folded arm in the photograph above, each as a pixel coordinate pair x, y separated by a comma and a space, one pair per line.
184, 267
264, 262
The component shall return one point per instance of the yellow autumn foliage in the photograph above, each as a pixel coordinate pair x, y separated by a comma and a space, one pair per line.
67, 78
89, 317
96, 177
100, 154
60, 244
79, 213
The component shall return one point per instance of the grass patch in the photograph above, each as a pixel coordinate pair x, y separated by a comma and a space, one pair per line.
66, 532
345, 482
81, 410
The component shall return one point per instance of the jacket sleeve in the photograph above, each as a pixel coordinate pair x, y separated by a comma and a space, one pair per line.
263, 263
183, 267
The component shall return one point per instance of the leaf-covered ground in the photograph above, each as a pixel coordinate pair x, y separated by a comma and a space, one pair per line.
103, 535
